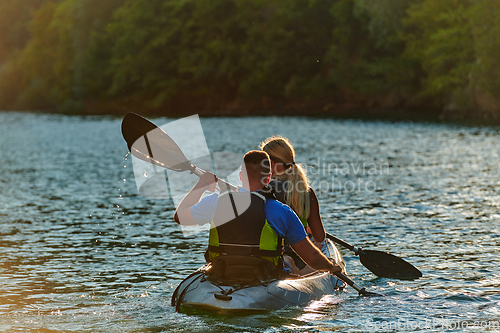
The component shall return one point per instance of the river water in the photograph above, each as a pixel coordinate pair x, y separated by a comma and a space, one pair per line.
81, 251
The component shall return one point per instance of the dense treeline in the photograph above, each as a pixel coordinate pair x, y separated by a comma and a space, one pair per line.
239, 56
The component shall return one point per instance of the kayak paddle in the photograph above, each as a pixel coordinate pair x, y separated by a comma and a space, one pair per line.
382, 264
361, 291
143, 138
150, 143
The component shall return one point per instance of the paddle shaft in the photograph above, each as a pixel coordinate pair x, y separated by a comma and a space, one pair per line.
361, 291
222, 184
194, 169
341, 242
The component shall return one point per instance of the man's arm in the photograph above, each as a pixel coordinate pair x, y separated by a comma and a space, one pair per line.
287, 225
313, 257
183, 214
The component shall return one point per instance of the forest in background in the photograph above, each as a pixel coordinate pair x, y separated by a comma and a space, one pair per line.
239, 57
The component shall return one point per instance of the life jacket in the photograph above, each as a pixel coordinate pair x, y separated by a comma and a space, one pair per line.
246, 232
279, 191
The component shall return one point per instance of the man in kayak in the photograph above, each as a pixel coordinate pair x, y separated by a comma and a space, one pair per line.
249, 222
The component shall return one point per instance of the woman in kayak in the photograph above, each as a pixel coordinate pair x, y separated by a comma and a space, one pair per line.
291, 186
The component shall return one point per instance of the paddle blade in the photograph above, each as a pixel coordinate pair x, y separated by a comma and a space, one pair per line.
384, 264
364, 292
150, 143
134, 127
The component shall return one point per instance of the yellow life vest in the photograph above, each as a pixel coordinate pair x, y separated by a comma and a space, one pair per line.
248, 233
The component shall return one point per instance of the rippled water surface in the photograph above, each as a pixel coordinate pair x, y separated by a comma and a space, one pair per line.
81, 251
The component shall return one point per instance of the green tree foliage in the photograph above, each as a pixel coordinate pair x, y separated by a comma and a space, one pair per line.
15, 17
284, 52
440, 38
384, 67
218, 51
457, 44
48, 73
193, 55
180, 45
485, 18
28, 78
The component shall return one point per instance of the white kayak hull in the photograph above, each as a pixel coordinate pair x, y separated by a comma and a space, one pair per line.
196, 292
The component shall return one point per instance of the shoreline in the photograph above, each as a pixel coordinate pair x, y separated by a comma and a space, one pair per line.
365, 115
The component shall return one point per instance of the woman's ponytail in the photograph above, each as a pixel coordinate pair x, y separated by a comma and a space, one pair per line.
294, 178
297, 191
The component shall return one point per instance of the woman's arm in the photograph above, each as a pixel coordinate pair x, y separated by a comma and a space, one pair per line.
314, 220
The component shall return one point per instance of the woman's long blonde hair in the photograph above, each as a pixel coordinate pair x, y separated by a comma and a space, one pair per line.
295, 178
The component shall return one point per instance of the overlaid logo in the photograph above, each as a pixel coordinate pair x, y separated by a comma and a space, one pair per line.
164, 159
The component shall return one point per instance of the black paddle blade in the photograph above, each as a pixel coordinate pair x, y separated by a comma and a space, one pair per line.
150, 143
134, 127
364, 292
384, 264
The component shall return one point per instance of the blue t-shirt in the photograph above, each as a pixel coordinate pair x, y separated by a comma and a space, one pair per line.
280, 217
284, 221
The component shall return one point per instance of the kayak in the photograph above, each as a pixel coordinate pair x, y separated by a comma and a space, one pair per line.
199, 292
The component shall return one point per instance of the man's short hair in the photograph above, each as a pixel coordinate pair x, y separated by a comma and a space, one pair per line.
257, 165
